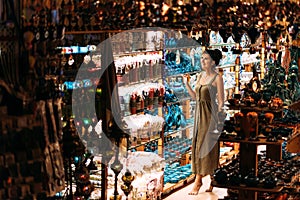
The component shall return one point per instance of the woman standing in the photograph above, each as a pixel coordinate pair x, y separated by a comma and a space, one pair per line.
209, 97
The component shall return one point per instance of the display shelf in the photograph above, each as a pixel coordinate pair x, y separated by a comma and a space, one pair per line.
83, 32
166, 134
183, 47
250, 62
92, 32
253, 108
179, 74
179, 101
171, 187
178, 158
262, 141
233, 64
139, 83
144, 143
293, 145
226, 66
178, 130
142, 52
248, 151
228, 157
244, 187
222, 45
173, 160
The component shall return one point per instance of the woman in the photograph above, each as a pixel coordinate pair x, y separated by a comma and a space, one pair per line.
209, 96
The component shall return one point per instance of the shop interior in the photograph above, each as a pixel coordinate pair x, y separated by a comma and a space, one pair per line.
93, 104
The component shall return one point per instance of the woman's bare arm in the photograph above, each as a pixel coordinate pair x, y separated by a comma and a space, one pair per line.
186, 81
220, 92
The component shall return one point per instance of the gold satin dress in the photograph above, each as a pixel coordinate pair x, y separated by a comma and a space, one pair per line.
205, 146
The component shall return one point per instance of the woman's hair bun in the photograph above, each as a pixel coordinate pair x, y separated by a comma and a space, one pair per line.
215, 54
218, 54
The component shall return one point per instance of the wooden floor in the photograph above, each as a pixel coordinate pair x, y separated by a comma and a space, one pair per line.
182, 194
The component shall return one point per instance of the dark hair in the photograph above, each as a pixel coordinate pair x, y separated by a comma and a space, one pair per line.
215, 54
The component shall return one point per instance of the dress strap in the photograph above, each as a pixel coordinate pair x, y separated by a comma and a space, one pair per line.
199, 75
213, 79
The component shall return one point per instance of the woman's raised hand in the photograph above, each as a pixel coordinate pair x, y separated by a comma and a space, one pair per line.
186, 78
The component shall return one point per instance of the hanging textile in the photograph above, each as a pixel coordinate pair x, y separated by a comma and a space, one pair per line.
286, 60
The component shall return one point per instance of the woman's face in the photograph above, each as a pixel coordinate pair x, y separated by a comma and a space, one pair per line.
207, 62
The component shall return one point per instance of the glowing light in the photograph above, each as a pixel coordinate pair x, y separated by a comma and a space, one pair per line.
165, 8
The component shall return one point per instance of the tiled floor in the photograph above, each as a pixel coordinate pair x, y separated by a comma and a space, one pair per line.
202, 195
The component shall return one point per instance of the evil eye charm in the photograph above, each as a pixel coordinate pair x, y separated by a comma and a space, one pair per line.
245, 41
87, 83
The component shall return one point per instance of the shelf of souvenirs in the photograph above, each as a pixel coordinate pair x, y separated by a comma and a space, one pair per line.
155, 109
244, 187
145, 167
195, 46
228, 156
147, 50
132, 85
176, 47
168, 187
175, 131
171, 187
252, 107
138, 143
137, 52
188, 45
165, 76
179, 101
243, 63
292, 186
123, 81
180, 158
122, 30
258, 141
295, 181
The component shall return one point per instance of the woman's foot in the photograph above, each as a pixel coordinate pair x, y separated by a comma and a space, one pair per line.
197, 185
195, 189
210, 189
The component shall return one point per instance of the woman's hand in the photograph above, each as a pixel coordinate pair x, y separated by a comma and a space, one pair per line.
186, 78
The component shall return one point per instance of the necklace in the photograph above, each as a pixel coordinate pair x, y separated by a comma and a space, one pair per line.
205, 77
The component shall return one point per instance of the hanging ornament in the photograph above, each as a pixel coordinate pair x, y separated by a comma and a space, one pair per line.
177, 57
71, 60
245, 41
253, 34
286, 60
87, 59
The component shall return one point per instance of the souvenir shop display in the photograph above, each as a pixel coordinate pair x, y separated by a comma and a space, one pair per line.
135, 141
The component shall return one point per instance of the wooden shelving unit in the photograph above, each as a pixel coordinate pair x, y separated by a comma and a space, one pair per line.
248, 161
244, 187
261, 141
172, 187
249, 155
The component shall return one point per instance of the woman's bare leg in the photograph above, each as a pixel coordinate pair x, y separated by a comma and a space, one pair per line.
210, 189
197, 185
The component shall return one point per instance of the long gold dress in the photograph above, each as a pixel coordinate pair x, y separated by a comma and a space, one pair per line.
205, 146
